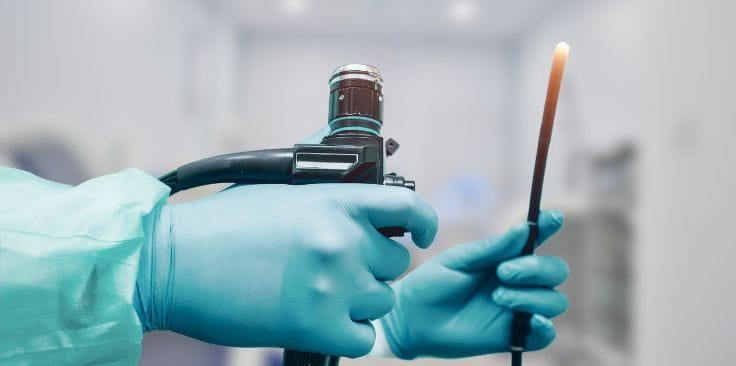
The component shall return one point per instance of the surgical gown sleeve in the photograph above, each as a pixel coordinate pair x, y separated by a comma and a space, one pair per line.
69, 258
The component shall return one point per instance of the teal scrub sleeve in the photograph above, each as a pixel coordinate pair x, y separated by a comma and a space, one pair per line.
69, 258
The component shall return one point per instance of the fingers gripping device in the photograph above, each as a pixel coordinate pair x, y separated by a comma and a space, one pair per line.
353, 152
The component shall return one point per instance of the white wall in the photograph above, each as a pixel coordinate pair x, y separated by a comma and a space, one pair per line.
116, 78
685, 263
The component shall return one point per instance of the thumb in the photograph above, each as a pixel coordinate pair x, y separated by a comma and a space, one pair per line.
484, 254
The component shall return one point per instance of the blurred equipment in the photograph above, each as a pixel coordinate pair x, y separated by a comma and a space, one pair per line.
598, 241
46, 156
521, 322
351, 153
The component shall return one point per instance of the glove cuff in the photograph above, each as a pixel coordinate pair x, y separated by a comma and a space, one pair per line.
390, 325
153, 295
381, 348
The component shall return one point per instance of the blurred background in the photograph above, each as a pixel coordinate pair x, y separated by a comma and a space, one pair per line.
639, 159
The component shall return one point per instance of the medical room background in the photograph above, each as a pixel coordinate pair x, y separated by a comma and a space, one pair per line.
639, 163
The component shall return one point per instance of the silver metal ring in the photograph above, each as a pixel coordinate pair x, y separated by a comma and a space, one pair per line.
356, 71
374, 79
357, 68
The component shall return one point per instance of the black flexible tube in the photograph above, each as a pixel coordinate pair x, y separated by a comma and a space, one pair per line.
515, 358
297, 358
249, 167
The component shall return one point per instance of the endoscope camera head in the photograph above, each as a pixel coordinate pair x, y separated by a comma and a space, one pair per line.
354, 149
356, 100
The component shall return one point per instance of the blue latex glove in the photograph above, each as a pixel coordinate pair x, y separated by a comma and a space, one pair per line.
299, 267
460, 304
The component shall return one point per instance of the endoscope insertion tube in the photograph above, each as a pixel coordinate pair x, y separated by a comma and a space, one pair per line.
520, 322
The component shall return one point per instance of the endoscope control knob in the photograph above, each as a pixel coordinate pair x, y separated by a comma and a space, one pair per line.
391, 179
391, 146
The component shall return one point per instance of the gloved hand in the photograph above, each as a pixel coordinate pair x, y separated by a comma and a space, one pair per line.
299, 267
460, 304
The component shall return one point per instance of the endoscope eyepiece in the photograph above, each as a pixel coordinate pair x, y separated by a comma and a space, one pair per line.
356, 71
356, 100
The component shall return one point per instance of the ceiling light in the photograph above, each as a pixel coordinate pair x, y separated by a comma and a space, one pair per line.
295, 7
463, 11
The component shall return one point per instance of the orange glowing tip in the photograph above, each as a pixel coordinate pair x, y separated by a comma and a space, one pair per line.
559, 58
